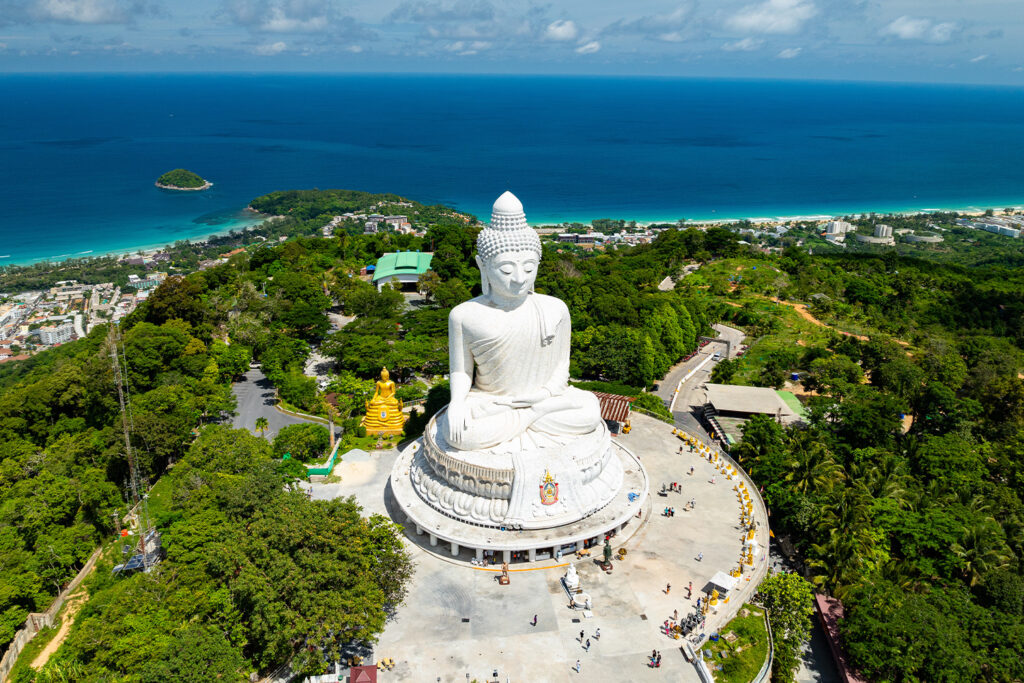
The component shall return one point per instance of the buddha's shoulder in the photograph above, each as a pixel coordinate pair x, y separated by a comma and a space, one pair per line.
550, 303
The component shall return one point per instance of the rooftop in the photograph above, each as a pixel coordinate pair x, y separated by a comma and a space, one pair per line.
402, 263
735, 399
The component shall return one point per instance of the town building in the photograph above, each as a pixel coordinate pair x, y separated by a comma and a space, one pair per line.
404, 267
57, 334
148, 282
727, 408
926, 239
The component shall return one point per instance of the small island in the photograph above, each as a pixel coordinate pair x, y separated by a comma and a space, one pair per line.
181, 179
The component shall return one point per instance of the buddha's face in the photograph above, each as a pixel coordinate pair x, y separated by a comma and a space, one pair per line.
384, 375
511, 274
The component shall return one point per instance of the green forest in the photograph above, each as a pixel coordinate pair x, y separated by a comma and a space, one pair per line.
181, 177
900, 497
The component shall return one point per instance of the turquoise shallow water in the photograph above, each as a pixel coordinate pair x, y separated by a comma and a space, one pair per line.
80, 152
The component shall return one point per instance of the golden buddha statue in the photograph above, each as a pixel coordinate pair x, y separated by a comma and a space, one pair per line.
384, 414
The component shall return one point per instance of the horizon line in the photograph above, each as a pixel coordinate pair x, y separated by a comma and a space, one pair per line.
481, 74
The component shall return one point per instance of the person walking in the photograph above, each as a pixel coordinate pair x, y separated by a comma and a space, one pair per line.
689, 594
675, 615
693, 503
668, 588
534, 619
586, 648
597, 634
577, 667
581, 636
700, 557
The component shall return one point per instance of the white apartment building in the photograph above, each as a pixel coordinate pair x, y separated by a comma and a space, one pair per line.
59, 334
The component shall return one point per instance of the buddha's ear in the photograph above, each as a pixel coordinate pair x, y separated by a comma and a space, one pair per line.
485, 285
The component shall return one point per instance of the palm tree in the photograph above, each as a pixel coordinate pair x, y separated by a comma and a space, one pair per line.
811, 465
981, 550
262, 425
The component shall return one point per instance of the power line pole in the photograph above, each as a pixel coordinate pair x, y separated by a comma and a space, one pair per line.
139, 501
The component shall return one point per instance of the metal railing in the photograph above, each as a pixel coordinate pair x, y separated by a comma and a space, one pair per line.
765, 674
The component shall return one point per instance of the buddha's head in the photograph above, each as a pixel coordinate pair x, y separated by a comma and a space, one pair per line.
508, 252
384, 376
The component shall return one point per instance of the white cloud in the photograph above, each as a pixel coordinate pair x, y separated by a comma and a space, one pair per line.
979, 58
81, 11
562, 29
461, 47
667, 24
745, 45
588, 48
354, 49
424, 10
772, 16
790, 53
270, 48
915, 28
293, 16
277, 21
671, 37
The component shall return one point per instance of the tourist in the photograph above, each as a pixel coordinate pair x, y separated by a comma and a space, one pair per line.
675, 615
691, 470
712, 479
657, 664
534, 619
586, 648
668, 588
689, 592
581, 636
693, 503
597, 634
700, 557
577, 667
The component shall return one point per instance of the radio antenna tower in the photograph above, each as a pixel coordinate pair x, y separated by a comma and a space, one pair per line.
139, 500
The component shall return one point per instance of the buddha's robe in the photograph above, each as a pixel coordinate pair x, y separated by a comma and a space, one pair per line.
524, 350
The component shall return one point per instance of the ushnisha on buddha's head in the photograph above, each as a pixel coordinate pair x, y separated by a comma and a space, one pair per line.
508, 253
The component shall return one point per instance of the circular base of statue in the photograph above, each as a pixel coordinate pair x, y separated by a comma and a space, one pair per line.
461, 532
533, 481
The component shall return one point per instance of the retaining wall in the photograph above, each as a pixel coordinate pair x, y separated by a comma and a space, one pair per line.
37, 621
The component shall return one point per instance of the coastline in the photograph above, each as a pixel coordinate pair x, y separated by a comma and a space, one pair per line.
807, 214
148, 248
205, 186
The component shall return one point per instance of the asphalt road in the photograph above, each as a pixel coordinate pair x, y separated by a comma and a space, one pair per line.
691, 394
255, 396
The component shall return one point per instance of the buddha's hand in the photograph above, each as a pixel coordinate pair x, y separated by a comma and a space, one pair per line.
457, 415
526, 400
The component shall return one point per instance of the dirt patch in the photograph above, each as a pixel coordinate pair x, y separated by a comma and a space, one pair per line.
70, 610
355, 473
802, 311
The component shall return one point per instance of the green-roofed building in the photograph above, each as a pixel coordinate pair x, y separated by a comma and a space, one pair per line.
404, 266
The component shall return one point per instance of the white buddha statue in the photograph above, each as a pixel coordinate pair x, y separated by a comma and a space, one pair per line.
516, 342
516, 446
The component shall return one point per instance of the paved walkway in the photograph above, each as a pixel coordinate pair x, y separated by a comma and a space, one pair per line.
457, 620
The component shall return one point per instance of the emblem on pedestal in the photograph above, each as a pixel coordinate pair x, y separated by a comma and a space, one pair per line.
548, 489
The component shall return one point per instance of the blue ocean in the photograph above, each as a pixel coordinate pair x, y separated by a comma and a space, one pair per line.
80, 153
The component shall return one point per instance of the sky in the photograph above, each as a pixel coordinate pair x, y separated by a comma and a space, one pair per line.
954, 41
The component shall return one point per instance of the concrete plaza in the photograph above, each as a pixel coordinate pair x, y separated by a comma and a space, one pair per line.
458, 620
